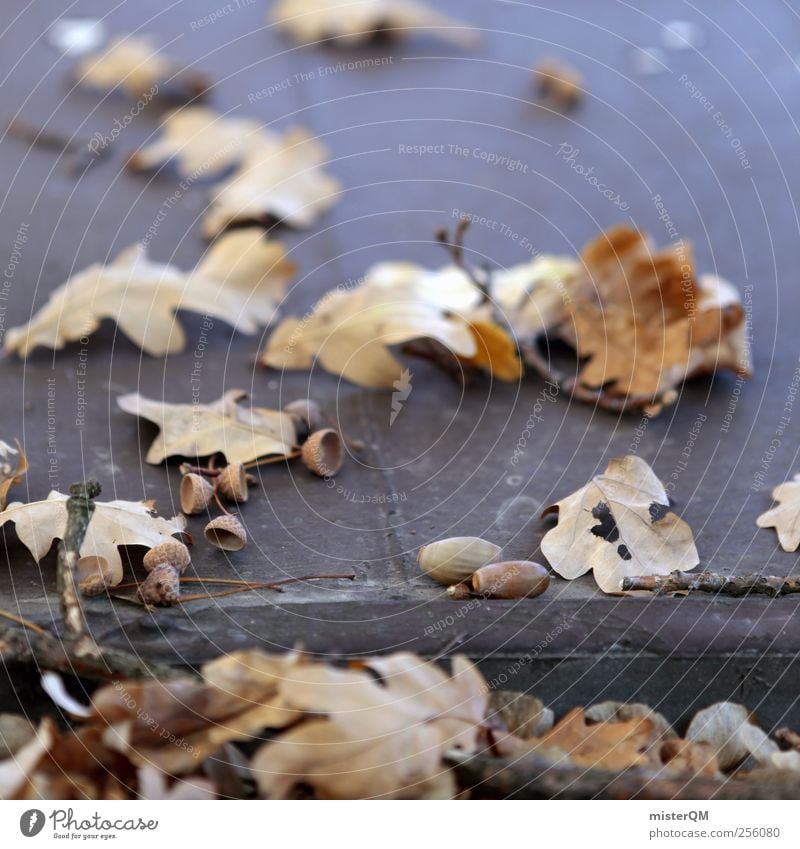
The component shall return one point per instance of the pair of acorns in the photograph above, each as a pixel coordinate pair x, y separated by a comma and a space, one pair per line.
471, 566
321, 449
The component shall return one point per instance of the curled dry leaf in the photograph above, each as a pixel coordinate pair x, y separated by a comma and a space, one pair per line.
13, 466
202, 142
368, 738
729, 729
280, 179
639, 320
199, 430
176, 725
136, 66
352, 22
241, 281
620, 525
785, 518
113, 523
350, 331
522, 715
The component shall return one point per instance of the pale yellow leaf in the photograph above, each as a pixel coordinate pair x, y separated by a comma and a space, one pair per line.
240, 281
785, 518
113, 523
199, 430
202, 142
619, 525
281, 179
352, 22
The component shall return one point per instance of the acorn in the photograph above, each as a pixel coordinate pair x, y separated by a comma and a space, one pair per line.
307, 415
450, 561
511, 579
231, 483
196, 493
226, 532
459, 592
323, 452
162, 586
170, 553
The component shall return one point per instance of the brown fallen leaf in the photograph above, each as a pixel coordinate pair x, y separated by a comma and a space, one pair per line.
113, 523
639, 320
279, 179
199, 430
241, 281
352, 22
604, 745
619, 525
12, 471
350, 331
785, 518
202, 142
135, 65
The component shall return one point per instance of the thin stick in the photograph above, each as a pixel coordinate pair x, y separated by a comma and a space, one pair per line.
711, 582
79, 513
277, 459
26, 623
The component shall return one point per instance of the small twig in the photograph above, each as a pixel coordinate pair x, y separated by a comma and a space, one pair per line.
711, 582
241, 586
266, 461
80, 507
48, 652
456, 250
26, 623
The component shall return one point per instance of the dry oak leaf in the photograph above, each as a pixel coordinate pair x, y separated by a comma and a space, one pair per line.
352, 22
643, 321
240, 281
639, 320
371, 737
135, 65
12, 471
176, 725
610, 746
199, 430
619, 525
350, 331
785, 518
280, 179
202, 142
113, 523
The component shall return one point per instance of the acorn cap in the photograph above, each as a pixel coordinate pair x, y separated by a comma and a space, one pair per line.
226, 532
196, 493
161, 587
308, 413
231, 483
323, 452
171, 553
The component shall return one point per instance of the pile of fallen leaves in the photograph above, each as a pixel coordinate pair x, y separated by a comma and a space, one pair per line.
386, 727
